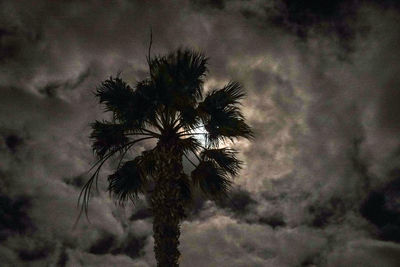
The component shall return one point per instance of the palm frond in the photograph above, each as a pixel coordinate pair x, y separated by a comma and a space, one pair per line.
211, 179
221, 114
189, 69
107, 136
189, 118
85, 193
189, 144
128, 181
144, 106
226, 124
148, 162
116, 95
229, 95
178, 78
225, 158
130, 107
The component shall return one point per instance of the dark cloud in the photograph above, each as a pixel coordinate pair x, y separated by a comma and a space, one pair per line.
36, 253
327, 130
239, 202
63, 259
132, 246
13, 141
51, 89
77, 181
12, 42
330, 17
14, 217
141, 214
201, 4
276, 220
323, 214
389, 108
103, 245
381, 208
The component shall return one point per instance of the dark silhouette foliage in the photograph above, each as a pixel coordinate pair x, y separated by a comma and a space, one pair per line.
169, 107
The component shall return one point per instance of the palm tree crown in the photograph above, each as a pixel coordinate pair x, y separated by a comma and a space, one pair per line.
169, 106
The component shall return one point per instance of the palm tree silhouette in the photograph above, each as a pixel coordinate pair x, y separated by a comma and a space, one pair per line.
170, 107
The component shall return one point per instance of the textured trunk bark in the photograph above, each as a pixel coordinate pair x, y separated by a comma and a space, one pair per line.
168, 208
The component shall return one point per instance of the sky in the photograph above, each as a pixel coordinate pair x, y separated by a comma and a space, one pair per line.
321, 181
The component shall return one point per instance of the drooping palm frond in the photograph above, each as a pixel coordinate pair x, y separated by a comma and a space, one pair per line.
107, 136
148, 162
85, 193
211, 179
128, 181
225, 158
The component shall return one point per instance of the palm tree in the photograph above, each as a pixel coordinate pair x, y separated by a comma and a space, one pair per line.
170, 107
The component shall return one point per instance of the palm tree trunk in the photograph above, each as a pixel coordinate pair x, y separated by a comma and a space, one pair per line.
168, 208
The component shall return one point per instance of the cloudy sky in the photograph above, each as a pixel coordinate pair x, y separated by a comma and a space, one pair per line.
321, 182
